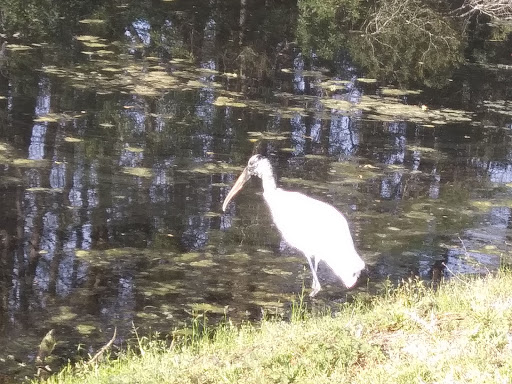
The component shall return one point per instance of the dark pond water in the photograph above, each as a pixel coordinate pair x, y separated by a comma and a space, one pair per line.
123, 126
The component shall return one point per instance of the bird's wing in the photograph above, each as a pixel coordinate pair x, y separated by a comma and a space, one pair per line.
304, 221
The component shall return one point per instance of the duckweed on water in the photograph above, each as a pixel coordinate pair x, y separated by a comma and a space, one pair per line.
214, 168
390, 109
29, 163
334, 85
138, 171
85, 329
337, 104
416, 148
203, 263
92, 21
423, 216
276, 271
64, 314
161, 289
486, 205
223, 101
70, 139
208, 307
188, 256
350, 172
303, 183
82, 253
89, 38
145, 79
273, 136
144, 316
134, 149
45, 190
312, 156
366, 80
306, 73
398, 92
54, 118
503, 107
18, 47
212, 214
239, 257
105, 257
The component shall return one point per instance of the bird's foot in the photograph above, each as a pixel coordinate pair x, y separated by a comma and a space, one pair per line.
315, 290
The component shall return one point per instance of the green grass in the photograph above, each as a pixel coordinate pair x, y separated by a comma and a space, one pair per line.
461, 333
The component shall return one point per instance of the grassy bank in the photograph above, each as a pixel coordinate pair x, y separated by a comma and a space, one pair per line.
460, 334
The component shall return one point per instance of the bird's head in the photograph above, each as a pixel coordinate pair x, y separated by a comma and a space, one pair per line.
257, 166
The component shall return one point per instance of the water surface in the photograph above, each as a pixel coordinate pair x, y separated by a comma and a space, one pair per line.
121, 135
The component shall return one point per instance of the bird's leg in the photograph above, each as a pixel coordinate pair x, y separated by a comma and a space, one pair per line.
316, 284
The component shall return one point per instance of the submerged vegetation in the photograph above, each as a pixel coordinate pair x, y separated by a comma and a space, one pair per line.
458, 333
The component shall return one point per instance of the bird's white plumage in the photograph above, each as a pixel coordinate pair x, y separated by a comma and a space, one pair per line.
316, 228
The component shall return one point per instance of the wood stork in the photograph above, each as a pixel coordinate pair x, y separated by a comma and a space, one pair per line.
313, 227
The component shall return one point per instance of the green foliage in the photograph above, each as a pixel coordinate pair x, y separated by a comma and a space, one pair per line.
300, 307
39, 19
323, 25
410, 334
407, 42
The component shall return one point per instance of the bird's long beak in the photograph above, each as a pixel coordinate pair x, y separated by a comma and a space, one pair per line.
242, 179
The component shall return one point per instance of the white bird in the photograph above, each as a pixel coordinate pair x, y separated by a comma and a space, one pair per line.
313, 227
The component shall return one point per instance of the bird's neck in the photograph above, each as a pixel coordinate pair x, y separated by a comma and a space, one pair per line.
268, 181
266, 174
